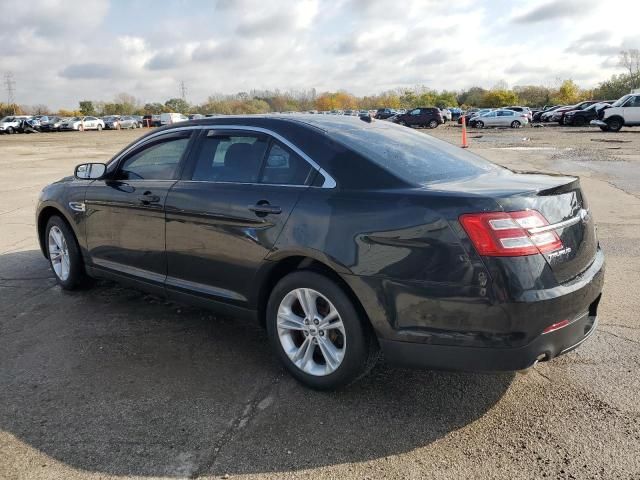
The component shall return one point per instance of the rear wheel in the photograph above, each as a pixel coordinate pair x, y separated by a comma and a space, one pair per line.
478, 124
318, 333
516, 124
99, 127
64, 255
10, 130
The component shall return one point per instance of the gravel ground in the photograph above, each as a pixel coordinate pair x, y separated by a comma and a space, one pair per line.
113, 383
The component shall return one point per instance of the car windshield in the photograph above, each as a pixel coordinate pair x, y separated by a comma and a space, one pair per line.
413, 156
620, 101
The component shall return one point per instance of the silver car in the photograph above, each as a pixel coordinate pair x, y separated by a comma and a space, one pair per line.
501, 118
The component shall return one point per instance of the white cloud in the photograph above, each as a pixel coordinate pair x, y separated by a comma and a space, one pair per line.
91, 49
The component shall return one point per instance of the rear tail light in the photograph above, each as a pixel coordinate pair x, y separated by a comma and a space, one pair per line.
506, 234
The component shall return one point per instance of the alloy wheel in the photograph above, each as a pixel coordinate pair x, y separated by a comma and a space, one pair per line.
311, 332
59, 253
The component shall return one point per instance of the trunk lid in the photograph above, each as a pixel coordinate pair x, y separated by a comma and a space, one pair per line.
558, 198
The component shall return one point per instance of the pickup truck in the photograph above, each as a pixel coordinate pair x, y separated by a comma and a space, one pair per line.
623, 112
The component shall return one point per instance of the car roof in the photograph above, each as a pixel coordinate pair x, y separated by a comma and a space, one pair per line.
325, 123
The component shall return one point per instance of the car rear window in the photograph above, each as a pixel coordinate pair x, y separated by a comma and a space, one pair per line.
414, 157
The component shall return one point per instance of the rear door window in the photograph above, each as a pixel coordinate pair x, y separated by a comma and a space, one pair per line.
235, 157
284, 167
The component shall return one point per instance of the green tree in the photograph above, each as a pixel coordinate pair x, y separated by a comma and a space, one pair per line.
177, 105
568, 93
498, 98
154, 108
614, 88
472, 97
533, 95
87, 108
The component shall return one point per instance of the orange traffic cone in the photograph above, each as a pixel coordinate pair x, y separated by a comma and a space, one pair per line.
464, 132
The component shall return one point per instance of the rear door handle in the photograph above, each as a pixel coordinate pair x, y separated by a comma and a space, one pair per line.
263, 209
147, 198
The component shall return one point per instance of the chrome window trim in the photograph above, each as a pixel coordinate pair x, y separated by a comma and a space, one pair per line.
566, 223
329, 181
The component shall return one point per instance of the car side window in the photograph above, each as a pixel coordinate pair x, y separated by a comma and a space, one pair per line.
284, 167
415, 112
633, 102
156, 161
230, 158
505, 113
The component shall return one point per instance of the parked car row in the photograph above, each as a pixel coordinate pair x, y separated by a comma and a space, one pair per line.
53, 123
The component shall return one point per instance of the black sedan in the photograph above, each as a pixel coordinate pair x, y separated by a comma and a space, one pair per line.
343, 237
579, 118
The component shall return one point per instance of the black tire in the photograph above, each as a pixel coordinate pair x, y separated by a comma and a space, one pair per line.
604, 129
77, 277
478, 124
516, 124
361, 347
10, 131
615, 124
432, 124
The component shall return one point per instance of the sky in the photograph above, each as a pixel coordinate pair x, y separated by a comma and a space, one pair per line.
63, 51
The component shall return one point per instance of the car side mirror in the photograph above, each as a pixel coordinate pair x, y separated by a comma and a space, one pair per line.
90, 171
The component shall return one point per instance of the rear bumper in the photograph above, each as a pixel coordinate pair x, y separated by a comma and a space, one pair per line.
488, 345
445, 357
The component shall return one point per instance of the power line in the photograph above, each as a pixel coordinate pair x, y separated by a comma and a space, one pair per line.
9, 84
183, 90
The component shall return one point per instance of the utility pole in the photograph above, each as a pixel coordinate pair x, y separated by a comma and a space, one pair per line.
183, 90
10, 84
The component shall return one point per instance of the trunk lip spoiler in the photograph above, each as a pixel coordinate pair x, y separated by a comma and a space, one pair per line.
582, 216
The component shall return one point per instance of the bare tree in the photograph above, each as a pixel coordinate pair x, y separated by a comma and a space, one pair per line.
630, 60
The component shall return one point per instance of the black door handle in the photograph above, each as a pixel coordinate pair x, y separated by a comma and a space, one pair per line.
264, 209
147, 197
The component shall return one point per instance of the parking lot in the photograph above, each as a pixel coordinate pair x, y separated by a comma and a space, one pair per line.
111, 382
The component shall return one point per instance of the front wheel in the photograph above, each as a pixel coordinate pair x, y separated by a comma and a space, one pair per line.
99, 127
516, 124
432, 124
614, 124
64, 255
318, 333
10, 131
478, 124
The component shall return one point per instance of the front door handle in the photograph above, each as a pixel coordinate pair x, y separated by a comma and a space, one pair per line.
147, 197
264, 209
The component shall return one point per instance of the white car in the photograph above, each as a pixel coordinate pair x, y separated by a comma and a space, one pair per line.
10, 123
169, 118
501, 118
83, 123
446, 114
623, 112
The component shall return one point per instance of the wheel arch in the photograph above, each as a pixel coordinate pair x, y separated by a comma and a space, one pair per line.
43, 218
617, 117
284, 265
